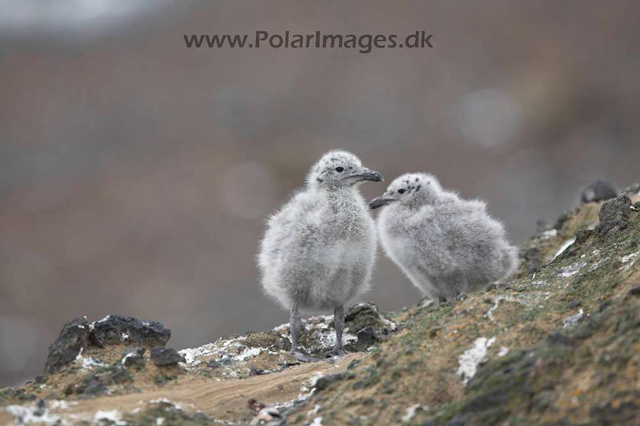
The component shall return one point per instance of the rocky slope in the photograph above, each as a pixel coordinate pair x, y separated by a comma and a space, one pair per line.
557, 344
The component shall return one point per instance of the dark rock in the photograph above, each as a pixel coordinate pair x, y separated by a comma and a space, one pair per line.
163, 357
614, 215
225, 360
255, 406
17, 394
558, 339
599, 190
361, 316
353, 364
73, 337
326, 381
161, 378
282, 344
134, 358
604, 305
96, 383
255, 371
119, 330
366, 339
89, 387
625, 413
367, 315
582, 235
263, 339
213, 364
41, 408
118, 374
634, 291
574, 304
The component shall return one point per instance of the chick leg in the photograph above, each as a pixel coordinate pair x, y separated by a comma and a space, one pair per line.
295, 324
338, 320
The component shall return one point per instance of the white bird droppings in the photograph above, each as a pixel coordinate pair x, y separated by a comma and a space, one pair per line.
470, 360
316, 422
411, 412
573, 319
31, 414
628, 257
111, 415
571, 270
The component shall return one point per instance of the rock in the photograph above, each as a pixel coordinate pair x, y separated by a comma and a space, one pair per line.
353, 364
282, 344
15, 394
614, 215
362, 315
96, 383
367, 315
119, 330
41, 408
262, 339
326, 381
163, 357
118, 374
73, 337
366, 339
558, 339
112, 330
599, 190
574, 304
255, 371
634, 291
255, 406
213, 364
134, 358
90, 387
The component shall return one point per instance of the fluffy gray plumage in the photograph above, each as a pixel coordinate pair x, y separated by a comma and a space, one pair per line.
444, 244
319, 249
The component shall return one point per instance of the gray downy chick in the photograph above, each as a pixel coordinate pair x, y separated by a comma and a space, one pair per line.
444, 244
318, 250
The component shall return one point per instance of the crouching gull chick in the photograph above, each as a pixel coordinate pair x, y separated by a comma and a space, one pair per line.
318, 250
444, 244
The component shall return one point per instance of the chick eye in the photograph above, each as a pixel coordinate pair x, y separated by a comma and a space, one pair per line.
339, 169
400, 191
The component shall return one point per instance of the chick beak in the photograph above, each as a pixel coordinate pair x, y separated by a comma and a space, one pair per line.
370, 175
379, 202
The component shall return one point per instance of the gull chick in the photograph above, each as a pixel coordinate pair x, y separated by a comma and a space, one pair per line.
319, 249
445, 245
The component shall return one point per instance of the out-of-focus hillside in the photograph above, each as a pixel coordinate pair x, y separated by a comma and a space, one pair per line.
136, 174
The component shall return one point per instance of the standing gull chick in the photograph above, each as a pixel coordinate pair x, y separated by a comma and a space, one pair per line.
444, 244
319, 249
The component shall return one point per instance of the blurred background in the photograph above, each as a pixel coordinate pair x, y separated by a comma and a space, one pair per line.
136, 174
